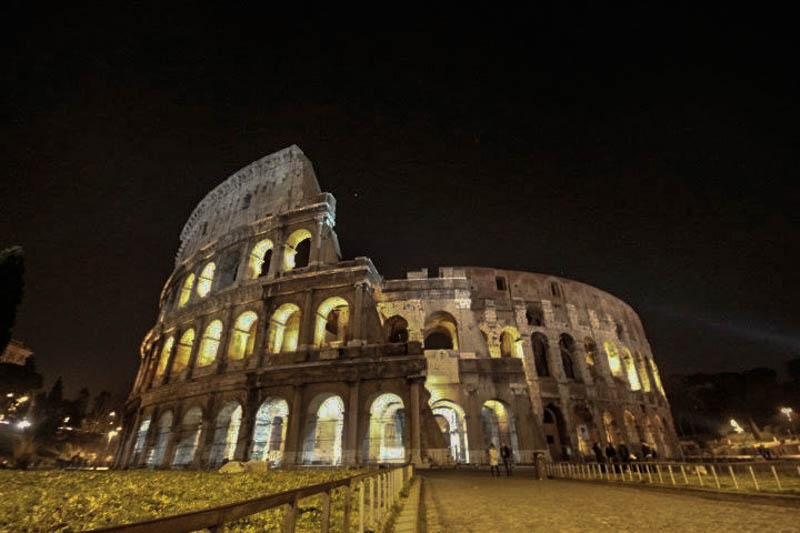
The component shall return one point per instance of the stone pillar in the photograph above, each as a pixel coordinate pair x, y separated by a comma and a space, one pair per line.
128, 439
278, 250
175, 436
350, 451
416, 443
249, 412
308, 317
150, 439
474, 428
207, 429
224, 341
316, 241
356, 327
293, 448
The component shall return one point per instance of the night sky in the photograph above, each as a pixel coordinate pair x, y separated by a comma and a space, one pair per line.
653, 154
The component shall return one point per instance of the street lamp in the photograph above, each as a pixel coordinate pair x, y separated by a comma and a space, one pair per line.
736, 427
788, 412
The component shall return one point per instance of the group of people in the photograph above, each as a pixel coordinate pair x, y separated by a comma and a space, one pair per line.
622, 454
495, 456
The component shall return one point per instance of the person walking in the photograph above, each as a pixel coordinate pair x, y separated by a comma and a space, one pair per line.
494, 460
624, 453
598, 453
505, 453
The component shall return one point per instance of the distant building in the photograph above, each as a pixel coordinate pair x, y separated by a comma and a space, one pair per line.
270, 347
16, 353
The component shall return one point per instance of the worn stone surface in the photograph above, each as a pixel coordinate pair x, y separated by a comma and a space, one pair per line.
476, 502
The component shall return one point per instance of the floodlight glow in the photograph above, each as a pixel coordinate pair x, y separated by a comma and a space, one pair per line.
736, 427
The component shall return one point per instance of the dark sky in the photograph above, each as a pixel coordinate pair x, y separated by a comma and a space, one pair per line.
651, 153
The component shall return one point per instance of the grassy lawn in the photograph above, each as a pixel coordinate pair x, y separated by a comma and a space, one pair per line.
65, 501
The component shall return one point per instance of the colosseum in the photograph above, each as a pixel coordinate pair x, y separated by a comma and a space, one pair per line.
270, 347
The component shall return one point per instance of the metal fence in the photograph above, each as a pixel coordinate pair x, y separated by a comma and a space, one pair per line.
778, 476
375, 493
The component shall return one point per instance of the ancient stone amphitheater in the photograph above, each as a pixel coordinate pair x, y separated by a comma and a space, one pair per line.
270, 347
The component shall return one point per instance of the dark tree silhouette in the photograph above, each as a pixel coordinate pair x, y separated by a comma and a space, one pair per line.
12, 268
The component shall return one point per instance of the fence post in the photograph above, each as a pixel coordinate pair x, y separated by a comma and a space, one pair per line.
649, 475
685, 479
777, 479
669, 467
735, 483
639, 471
291, 516
699, 477
630, 473
658, 469
372, 501
325, 519
346, 515
361, 506
753, 475
716, 479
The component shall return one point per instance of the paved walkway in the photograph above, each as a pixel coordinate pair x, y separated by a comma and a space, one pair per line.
476, 502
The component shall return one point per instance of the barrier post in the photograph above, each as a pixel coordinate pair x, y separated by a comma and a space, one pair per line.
685, 479
735, 483
777, 479
669, 467
290, 517
325, 518
753, 475
361, 507
716, 479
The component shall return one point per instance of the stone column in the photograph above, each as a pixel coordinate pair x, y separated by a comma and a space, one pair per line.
128, 439
350, 451
316, 240
292, 449
278, 250
207, 429
416, 443
358, 312
307, 319
474, 428
175, 435
224, 341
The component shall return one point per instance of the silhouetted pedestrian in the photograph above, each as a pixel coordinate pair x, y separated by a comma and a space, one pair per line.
505, 453
598, 453
494, 463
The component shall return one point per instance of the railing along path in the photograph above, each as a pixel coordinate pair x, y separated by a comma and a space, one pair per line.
377, 493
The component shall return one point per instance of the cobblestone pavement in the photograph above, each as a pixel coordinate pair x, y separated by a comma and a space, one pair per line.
475, 502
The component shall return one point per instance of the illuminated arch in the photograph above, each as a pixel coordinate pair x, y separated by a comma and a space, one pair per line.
166, 351
323, 442
156, 455
260, 256
631, 429
244, 336
642, 368
614, 363
189, 437
566, 346
499, 427
441, 331
209, 345
610, 427
630, 370
590, 351
452, 421
184, 351
540, 348
333, 317
291, 249
396, 329
226, 433
385, 437
510, 343
656, 377
186, 290
205, 280
141, 438
555, 432
269, 434
284, 329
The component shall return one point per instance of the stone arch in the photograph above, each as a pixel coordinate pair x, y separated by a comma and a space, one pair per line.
209, 344
534, 314
510, 343
322, 444
631, 430
284, 329
188, 436
540, 348
656, 377
610, 427
259, 259
243, 336
585, 429
166, 352
665, 449
184, 351
226, 433
141, 438
396, 329
630, 370
555, 432
186, 291
297, 250
269, 432
385, 439
499, 426
591, 356
206, 279
164, 429
332, 324
441, 331
566, 346
452, 421
642, 368
614, 363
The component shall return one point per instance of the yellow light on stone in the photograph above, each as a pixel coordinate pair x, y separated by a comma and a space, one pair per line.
736, 427
787, 411
210, 344
206, 279
186, 291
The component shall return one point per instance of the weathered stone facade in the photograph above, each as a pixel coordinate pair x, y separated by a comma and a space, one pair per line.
270, 347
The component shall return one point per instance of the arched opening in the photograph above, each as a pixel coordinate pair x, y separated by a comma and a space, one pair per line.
243, 337
333, 317
226, 434
451, 419
205, 280
567, 348
159, 449
441, 331
269, 434
166, 351
656, 377
610, 427
396, 329
385, 442
499, 427
228, 269
642, 369
184, 351
209, 345
141, 438
284, 329
259, 260
188, 437
614, 363
540, 348
630, 370
555, 433
590, 350
632, 429
664, 447
297, 250
649, 438
323, 442
586, 431
510, 343
534, 314
186, 290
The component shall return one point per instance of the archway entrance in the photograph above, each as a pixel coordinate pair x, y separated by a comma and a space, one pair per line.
499, 427
226, 434
555, 433
450, 417
385, 439
323, 442
269, 434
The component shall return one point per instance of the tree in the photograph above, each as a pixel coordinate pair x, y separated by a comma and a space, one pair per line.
56, 394
12, 269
